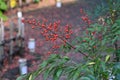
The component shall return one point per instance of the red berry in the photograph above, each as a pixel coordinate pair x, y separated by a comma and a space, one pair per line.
33, 27
43, 25
23, 20
49, 53
84, 40
94, 46
81, 10
93, 33
66, 30
70, 31
67, 36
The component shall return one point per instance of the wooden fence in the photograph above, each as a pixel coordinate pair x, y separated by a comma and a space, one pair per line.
14, 44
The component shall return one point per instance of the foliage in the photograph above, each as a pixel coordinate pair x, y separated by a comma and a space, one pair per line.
108, 14
36, 1
3, 7
99, 10
103, 7
57, 66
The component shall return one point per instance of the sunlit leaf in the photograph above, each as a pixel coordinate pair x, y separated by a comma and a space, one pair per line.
91, 63
30, 77
107, 58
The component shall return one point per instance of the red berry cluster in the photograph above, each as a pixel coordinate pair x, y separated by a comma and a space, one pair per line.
51, 31
85, 17
67, 31
92, 35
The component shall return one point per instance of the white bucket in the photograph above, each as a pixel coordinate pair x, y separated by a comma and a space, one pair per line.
23, 66
19, 14
58, 4
31, 45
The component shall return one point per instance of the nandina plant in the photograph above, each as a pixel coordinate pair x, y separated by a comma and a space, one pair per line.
98, 44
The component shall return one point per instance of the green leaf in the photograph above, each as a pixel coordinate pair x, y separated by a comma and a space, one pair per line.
52, 58
107, 58
30, 77
59, 72
91, 63
99, 28
36, 1
76, 74
104, 42
114, 39
117, 66
118, 21
92, 43
91, 29
117, 77
117, 32
84, 78
71, 74
109, 21
114, 25
55, 77
66, 48
49, 71
87, 39
21, 77
68, 69
110, 50
66, 58
37, 72
44, 64
3, 6
103, 66
1, 13
91, 77
3, 16
116, 29
46, 74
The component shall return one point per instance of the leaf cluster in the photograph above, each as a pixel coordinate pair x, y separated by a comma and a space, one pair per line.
3, 7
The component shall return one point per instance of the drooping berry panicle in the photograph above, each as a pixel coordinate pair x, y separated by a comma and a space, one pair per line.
52, 32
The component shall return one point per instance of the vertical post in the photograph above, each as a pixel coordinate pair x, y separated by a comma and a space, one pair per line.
1, 46
19, 14
20, 3
20, 26
20, 32
1, 39
22, 38
11, 41
23, 30
27, 2
2, 27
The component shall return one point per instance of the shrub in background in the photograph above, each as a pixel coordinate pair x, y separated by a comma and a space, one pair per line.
3, 7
